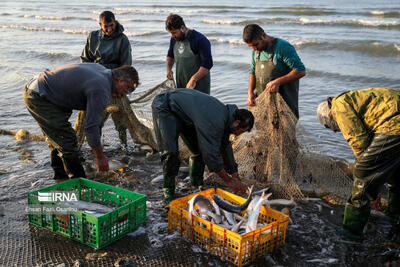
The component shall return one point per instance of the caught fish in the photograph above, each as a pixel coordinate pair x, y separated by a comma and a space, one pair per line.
230, 207
202, 203
215, 217
236, 227
92, 208
216, 208
259, 192
229, 217
254, 210
281, 202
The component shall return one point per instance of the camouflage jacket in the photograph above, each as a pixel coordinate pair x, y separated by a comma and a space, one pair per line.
360, 114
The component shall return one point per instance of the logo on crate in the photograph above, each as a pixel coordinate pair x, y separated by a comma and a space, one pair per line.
57, 196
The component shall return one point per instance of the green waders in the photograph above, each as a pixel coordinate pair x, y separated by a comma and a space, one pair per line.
378, 164
187, 64
166, 129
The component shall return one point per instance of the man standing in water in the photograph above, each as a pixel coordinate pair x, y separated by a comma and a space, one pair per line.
109, 47
205, 125
51, 97
369, 120
191, 51
275, 67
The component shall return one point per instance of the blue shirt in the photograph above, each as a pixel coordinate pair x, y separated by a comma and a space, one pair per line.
285, 58
200, 45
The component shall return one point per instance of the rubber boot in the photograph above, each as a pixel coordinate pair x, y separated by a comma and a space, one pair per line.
74, 168
393, 209
58, 166
171, 164
196, 170
354, 222
169, 194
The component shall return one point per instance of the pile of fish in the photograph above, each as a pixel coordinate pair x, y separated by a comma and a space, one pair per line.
223, 213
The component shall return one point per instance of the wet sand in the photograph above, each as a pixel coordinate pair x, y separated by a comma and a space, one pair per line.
310, 239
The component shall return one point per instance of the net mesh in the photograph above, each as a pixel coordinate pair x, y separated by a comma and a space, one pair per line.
278, 152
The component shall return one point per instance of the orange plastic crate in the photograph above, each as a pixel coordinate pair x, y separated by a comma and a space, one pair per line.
238, 249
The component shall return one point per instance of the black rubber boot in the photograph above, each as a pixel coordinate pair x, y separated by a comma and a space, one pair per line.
354, 222
58, 166
196, 170
74, 167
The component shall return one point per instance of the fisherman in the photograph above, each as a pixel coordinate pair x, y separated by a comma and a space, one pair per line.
275, 67
369, 120
109, 47
205, 125
54, 93
192, 52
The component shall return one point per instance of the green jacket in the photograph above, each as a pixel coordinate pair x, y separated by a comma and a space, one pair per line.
110, 51
360, 114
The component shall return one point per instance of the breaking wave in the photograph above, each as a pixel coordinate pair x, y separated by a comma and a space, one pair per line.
147, 33
370, 47
45, 29
48, 17
371, 81
120, 11
234, 41
388, 24
385, 14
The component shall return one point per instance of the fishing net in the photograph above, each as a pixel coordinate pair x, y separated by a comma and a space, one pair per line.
134, 115
279, 152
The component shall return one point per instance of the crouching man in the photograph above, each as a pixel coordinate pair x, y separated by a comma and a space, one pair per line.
369, 120
205, 125
51, 97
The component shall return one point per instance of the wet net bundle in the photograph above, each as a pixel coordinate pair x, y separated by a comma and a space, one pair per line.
279, 152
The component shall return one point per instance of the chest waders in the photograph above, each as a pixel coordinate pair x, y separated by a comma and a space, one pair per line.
265, 71
187, 64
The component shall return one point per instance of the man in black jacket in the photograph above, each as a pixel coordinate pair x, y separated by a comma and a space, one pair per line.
205, 125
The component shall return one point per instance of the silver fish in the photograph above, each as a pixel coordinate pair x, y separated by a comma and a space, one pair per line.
202, 203
236, 227
216, 208
254, 210
215, 217
229, 217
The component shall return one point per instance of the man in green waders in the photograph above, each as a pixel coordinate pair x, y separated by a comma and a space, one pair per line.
369, 120
205, 124
275, 67
191, 51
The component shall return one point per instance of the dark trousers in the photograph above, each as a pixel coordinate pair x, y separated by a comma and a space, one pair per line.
378, 164
60, 137
168, 128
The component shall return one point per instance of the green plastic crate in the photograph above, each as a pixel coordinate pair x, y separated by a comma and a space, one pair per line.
96, 232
